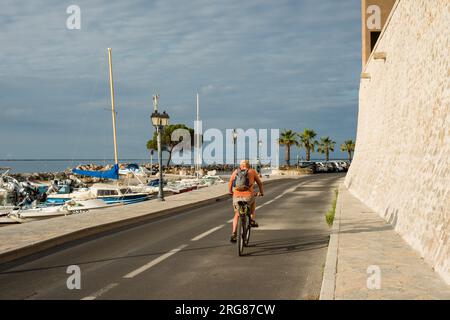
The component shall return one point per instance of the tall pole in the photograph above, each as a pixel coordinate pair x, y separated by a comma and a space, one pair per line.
197, 140
235, 149
151, 160
198, 108
158, 140
113, 111
160, 193
258, 161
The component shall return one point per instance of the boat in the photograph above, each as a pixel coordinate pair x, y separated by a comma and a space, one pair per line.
109, 194
18, 194
21, 214
135, 170
177, 188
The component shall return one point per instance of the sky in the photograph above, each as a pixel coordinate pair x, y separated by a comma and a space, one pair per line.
291, 64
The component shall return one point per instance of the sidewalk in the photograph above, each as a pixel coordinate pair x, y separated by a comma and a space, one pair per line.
20, 240
362, 244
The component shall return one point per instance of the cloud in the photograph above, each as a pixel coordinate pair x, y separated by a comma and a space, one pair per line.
213, 89
255, 64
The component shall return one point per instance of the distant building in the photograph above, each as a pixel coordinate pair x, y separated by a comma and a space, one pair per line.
374, 16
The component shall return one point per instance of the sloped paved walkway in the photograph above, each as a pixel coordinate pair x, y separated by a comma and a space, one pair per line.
367, 246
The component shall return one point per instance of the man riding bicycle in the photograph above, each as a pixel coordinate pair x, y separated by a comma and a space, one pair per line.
241, 187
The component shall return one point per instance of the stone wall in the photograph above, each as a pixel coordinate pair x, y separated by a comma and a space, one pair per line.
401, 167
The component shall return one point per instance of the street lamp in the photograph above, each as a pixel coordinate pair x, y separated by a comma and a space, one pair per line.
159, 121
235, 135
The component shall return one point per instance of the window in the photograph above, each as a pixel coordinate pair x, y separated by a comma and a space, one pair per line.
374, 35
125, 191
107, 193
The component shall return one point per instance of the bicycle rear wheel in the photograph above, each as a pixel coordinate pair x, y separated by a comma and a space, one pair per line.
241, 234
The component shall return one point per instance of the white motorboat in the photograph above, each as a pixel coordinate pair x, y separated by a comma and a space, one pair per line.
20, 215
109, 194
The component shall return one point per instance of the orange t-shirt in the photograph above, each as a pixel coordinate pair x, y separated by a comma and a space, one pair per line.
252, 178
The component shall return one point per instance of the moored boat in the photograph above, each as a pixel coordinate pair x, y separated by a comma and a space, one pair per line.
109, 194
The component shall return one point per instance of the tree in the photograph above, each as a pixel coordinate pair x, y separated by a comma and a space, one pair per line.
348, 146
166, 141
325, 146
287, 139
307, 141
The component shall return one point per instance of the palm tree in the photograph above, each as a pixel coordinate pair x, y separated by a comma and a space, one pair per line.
287, 139
325, 146
348, 146
308, 142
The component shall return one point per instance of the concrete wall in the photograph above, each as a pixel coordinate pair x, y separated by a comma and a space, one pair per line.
401, 167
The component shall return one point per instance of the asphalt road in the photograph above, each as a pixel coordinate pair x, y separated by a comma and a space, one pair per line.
189, 256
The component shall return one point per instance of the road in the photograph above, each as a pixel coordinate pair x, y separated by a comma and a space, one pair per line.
189, 256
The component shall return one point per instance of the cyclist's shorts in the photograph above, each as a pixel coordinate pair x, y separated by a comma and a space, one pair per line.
249, 199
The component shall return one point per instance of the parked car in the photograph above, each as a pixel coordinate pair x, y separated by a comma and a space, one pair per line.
321, 167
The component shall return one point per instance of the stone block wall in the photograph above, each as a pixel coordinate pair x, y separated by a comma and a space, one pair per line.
401, 167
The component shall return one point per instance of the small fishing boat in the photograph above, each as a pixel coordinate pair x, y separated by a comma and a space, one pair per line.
109, 194
180, 188
20, 215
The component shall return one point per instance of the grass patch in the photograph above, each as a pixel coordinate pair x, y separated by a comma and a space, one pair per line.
329, 217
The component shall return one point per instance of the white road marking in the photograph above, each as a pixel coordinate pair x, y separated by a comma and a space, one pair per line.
230, 221
154, 262
100, 292
204, 234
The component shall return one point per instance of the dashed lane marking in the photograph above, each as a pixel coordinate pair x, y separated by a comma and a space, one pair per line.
100, 292
154, 262
204, 234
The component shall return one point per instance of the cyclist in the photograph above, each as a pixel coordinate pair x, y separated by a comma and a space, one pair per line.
241, 187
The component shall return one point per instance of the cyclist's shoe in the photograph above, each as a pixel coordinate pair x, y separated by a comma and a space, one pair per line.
233, 237
254, 224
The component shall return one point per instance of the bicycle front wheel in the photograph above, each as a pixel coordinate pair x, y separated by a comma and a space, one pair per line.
247, 231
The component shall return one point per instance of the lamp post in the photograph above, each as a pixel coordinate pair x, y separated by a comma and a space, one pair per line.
235, 135
151, 160
159, 121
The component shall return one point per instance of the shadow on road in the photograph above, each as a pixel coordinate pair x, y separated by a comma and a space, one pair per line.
287, 245
135, 256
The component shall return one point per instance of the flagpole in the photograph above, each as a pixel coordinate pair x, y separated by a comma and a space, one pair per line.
197, 147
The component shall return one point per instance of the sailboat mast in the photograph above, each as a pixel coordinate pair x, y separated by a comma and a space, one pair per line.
113, 111
197, 139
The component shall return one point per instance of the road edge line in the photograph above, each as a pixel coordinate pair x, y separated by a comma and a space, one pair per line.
327, 291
